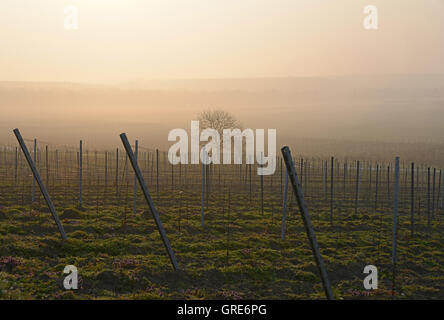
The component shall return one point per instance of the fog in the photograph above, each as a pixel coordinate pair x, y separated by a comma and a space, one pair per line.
390, 109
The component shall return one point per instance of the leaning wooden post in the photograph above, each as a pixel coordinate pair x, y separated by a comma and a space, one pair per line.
81, 174
307, 221
149, 200
39, 182
395, 223
136, 154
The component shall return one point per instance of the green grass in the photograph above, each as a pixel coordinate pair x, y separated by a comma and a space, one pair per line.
238, 255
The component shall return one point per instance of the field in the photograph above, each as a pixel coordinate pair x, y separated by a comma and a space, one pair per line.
239, 253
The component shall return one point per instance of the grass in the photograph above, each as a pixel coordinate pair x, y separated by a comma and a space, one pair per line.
238, 255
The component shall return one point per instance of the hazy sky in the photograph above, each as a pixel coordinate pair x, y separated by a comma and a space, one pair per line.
123, 40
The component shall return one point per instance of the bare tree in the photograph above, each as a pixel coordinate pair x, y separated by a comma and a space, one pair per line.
218, 119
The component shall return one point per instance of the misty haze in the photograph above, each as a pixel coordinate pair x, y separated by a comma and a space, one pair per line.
96, 203
390, 109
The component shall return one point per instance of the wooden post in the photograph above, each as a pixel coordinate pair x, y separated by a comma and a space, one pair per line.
202, 208
412, 199
152, 168
81, 174
395, 223
126, 174
136, 154
149, 200
370, 174
33, 179
345, 178
117, 172
172, 177
442, 189
47, 166
301, 167
5, 160
331, 189
438, 199
357, 186
307, 221
429, 222
106, 170
419, 191
284, 210
306, 176
16, 167
376, 186
228, 224
388, 183
157, 174
207, 182
249, 174
39, 182
324, 178
281, 179
433, 193
262, 186
57, 165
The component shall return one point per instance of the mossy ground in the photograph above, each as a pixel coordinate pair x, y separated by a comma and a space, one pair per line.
238, 255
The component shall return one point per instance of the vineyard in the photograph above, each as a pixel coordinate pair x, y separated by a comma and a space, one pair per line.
235, 235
